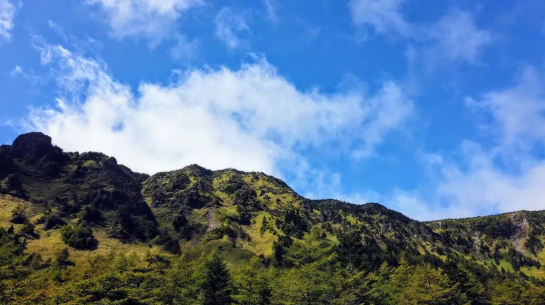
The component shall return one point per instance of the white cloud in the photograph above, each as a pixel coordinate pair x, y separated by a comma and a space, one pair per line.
7, 13
384, 16
476, 185
518, 113
457, 37
386, 110
504, 177
154, 20
250, 119
229, 27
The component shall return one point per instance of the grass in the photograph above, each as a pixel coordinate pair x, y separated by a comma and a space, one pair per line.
8, 203
229, 211
50, 244
537, 273
352, 220
90, 163
260, 244
198, 216
506, 265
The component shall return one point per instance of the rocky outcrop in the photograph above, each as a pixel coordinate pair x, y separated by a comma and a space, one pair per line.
32, 146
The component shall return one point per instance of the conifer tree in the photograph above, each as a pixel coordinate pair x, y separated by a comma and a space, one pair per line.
216, 285
252, 286
350, 249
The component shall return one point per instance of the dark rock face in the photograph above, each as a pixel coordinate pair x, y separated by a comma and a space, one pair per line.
6, 162
12, 186
33, 146
91, 186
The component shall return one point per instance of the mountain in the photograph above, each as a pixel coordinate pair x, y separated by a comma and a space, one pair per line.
64, 214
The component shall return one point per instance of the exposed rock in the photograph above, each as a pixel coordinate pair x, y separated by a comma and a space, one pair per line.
6, 162
12, 186
32, 146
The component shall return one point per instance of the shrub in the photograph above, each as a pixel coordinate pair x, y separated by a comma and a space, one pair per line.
91, 215
79, 237
52, 222
28, 230
179, 223
18, 215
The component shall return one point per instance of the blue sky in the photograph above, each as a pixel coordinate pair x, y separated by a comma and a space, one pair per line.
433, 108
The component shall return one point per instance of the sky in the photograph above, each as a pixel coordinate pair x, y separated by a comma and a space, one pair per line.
435, 109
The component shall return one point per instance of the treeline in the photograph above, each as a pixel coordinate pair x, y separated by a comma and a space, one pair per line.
118, 278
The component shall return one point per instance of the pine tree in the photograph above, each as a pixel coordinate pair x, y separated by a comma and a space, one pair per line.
427, 286
471, 289
252, 286
507, 292
350, 249
216, 285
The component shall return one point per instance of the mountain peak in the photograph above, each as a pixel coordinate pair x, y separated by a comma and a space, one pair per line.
33, 145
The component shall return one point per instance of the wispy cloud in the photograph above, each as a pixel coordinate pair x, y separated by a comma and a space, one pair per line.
7, 14
185, 50
503, 177
270, 6
149, 19
457, 37
229, 26
453, 37
384, 16
518, 113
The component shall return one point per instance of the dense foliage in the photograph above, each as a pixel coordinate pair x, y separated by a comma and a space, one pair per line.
120, 278
79, 236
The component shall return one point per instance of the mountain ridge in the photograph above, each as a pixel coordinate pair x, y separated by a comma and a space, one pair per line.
88, 205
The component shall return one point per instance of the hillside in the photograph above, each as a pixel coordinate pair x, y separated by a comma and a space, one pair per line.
102, 212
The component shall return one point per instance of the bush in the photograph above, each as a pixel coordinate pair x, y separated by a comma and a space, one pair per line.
91, 215
79, 237
168, 243
179, 223
28, 230
52, 222
18, 215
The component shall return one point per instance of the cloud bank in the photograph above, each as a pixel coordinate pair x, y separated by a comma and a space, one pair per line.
251, 118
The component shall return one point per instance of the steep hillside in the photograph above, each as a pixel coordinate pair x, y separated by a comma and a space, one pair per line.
256, 214
55, 205
65, 186
194, 209
512, 241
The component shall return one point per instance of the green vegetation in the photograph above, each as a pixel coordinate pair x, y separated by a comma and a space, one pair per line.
81, 229
79, 236
216, 283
